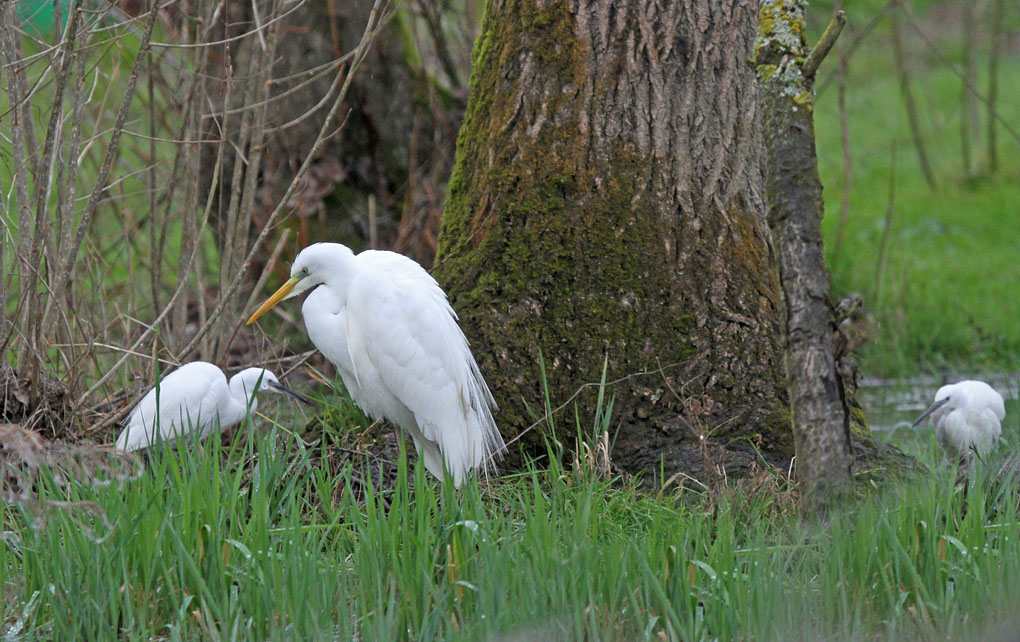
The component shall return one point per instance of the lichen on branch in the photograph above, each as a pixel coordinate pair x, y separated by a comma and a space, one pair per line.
781, 49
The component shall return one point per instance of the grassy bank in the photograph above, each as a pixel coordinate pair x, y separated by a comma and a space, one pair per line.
274, 547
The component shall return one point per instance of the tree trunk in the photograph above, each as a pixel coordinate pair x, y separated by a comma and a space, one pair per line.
607, 202
821, 417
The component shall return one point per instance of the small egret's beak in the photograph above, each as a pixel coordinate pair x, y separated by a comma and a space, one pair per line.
932, 408
278, 296
284, 389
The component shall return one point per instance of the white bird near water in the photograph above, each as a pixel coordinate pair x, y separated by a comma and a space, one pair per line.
967, 416
194, 400
386, 325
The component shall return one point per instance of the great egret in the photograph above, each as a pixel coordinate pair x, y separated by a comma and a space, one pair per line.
386, 325
967, 415
195, 399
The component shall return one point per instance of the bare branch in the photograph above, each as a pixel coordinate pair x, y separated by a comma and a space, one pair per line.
914, 122
111, 151
966, 81
824, 45
376, 19
257, 30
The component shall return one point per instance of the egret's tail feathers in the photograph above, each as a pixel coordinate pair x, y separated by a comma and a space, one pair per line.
122, 442
482, 406
136, 436
427, 448
433, 459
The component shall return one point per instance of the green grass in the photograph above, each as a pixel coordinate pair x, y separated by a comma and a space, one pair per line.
264, 544
947, 297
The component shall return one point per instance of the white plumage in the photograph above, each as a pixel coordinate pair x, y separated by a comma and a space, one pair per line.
194, 400
386, 325
967, 416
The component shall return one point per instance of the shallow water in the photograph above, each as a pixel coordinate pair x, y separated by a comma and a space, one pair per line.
892, 404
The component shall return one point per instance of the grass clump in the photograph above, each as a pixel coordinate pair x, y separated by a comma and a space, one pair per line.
265, 543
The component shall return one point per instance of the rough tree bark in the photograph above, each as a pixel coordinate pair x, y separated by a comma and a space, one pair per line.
608, 201
821, 415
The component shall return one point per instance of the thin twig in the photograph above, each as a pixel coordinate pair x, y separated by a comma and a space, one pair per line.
108, 346
214, 43
274, 259
824, 45
966, 81
903, 73
68, 259
844, 134
20, 131
968, 107
998, 31
857, 41
890, 210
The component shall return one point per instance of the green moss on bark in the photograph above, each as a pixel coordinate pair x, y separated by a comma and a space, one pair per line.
556, 249
574, 253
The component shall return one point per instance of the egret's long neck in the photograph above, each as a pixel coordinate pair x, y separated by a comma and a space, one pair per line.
338, 268
243, 393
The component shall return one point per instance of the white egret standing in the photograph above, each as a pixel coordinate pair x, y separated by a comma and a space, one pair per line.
386, 325
195, 399
967, 416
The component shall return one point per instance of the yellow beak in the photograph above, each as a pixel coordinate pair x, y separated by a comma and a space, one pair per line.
278, 296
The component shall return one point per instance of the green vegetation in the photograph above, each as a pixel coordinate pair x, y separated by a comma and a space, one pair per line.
947, 296
269, 539
265, 542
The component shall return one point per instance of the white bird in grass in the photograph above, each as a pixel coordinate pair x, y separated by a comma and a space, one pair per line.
194, 400
386, 325
967, 416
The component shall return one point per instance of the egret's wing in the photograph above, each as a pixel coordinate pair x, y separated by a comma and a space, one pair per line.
997, 405
138, 425
411, 338
981, 395
188, 401
988, 428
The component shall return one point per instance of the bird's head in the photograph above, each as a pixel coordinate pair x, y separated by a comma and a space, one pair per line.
253, 380
947, 398
313, 266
